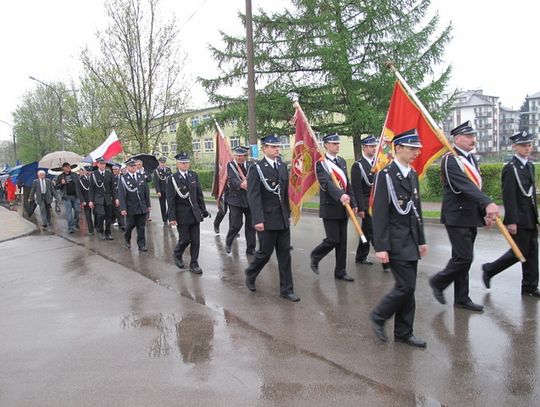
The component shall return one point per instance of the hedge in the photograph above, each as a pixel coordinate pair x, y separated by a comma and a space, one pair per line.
206, 177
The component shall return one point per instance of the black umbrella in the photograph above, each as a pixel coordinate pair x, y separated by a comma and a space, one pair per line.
150, 162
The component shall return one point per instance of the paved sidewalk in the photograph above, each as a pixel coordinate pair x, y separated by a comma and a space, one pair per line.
13, 225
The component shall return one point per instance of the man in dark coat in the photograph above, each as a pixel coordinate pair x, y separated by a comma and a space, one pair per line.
332, 209
67, 183
464, 208
520, 216
362, 184
102, 195
42, 192
238, 202
117, 218
399, 238
134, 197
84, 198
268, 197
161, 174
186, 210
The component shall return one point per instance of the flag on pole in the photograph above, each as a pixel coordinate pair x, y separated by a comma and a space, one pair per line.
404, 114
303, 180
223, 156
110, 147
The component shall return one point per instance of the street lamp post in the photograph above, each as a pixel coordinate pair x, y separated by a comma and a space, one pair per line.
60, 110
14, 142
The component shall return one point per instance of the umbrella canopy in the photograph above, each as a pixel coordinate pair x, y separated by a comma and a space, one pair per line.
150, 162
57, 158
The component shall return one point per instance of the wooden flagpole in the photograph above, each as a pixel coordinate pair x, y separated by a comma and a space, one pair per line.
332, 175
442, 138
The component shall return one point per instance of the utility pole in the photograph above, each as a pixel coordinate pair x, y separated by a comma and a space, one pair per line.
252, 122
60, 110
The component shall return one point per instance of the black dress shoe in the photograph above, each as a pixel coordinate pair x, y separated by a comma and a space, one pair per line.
486, 277
250, 285
127, 245
179, 263
531, 293
412, 341
314, 266
143, 249
469, 306
290, 297
109, 237
345, 277
378, 329
228, 249
195, 269
437, 293
365, 262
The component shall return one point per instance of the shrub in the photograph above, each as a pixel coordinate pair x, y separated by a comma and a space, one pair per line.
206, 177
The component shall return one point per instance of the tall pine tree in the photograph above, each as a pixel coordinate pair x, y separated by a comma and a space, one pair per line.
332, 53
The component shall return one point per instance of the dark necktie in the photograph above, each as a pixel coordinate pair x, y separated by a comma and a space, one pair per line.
275, 166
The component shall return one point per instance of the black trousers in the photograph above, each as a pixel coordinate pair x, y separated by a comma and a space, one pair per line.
189, 235
336, 238
220, 215
457, 269
117, 217
527, 241
136, 221
89, 218
400, 300
236, 214
104, 215
362, 250
163, 206
268, 241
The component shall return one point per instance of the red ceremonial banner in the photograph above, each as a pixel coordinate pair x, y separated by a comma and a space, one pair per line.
223, 156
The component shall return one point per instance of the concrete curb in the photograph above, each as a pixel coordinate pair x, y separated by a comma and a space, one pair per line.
14, 226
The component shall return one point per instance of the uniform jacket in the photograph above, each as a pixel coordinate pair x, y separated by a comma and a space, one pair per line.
84, 188
160, 179
102, 190
236, 195
518, 208
35, 192
267, 207
138, 201
399, 235
467, 207
330, 206
189, 210
361, 189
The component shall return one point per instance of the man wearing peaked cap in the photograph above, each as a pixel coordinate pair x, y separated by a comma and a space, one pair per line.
362, 183
268, 199
161, 174
520, 216
398, 238
237, 171
117, 219
103, 196
464, 208
84, 188
186, 210
332, 209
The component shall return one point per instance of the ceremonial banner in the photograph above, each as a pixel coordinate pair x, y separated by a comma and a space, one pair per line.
303, 180
403, 114
223, 156
110, 147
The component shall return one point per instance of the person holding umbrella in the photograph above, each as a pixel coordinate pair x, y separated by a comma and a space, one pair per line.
102, 195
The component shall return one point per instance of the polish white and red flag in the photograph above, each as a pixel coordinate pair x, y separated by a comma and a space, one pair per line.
110, 147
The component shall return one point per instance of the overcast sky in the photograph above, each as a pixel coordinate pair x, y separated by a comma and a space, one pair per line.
494, 47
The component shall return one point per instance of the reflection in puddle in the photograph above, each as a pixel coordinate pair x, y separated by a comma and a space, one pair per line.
192, 336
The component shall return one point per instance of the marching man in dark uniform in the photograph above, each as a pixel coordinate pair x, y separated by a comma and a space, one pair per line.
238, 203
268, 197
399, 238
134, 197
186, 211
161, 174
362, 184
332, 210
520, 216
117, 218
84, 198
102, 195
464, 208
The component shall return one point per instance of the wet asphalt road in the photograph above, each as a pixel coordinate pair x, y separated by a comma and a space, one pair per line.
86, 322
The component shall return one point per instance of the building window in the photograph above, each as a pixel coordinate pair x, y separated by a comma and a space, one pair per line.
172, 127
196, 145
208, 144
235, 141
206, 117
284, 141
173, 148
164, 148
195, 121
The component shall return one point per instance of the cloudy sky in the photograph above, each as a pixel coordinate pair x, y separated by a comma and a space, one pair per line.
494, 47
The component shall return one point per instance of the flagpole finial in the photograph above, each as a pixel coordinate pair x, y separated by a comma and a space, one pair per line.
293, 96
390, 65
